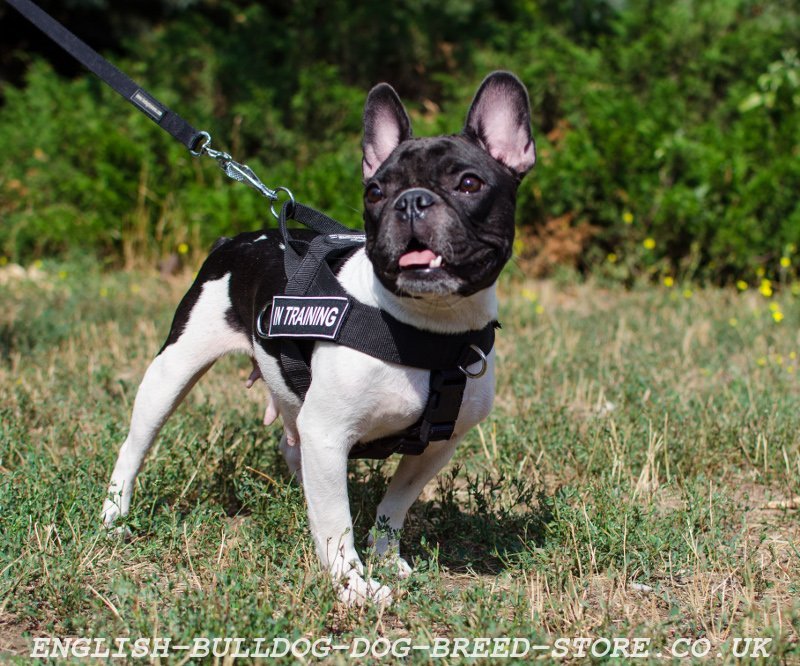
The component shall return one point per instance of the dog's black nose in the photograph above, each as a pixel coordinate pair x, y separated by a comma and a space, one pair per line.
412, 203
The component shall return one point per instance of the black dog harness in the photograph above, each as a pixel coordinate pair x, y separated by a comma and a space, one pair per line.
316, 307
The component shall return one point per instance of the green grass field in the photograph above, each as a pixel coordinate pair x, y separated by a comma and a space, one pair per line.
639, 477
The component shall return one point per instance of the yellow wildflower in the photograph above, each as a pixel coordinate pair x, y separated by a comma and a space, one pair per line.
669, 281
529, 295
785, 262
649, 243
766, 288
687, 293
774, 307
627, 217
761, 361
760, 271
741, 285
539, 309
733, 321
611, 258
777, 316
183, 248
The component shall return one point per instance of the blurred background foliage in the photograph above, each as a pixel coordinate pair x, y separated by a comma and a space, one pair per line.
668, 131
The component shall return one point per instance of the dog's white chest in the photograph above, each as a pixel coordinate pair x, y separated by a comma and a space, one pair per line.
377, 399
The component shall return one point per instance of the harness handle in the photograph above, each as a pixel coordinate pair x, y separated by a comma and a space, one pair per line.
310, 218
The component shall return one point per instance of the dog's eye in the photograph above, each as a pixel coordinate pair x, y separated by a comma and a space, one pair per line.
470, 184
373, 194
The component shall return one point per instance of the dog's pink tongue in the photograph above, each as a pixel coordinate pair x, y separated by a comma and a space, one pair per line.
417, 258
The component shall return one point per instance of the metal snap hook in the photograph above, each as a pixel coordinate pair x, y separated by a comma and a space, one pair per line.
484, 364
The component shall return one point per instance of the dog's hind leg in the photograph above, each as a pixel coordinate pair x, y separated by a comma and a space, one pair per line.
201, 332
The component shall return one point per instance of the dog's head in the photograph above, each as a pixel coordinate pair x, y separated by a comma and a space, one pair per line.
439, 211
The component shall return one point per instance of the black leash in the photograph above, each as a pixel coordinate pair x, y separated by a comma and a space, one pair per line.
197, 141
168, 120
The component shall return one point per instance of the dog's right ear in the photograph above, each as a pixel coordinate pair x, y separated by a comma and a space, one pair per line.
386, 125
500, 120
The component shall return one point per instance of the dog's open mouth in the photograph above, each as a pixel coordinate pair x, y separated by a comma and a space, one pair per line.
419, 257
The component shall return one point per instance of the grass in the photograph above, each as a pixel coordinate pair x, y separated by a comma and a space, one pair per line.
639, 477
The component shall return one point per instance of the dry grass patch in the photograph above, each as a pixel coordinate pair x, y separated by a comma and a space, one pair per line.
638, 476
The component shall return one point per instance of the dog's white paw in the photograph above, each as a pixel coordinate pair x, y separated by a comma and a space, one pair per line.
121, 533
110, 514
389, 551
391, 560
354, 590
401, 566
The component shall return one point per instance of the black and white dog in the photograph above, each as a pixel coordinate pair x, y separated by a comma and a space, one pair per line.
439, 221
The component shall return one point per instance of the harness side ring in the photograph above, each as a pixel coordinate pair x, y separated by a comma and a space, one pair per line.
484, 364
259, 322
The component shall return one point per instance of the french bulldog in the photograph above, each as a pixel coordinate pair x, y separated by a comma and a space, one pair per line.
439, 225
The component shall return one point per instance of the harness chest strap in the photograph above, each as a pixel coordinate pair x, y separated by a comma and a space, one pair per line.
316, 307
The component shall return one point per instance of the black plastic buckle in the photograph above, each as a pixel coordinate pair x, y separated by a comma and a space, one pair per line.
444, 403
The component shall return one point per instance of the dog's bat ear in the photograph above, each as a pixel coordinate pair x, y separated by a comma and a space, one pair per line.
386, 125
500, 120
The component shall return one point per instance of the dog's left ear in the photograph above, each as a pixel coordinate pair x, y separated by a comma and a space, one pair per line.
386, 125
500, 119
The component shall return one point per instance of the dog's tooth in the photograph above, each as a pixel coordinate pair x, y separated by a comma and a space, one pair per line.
435, 263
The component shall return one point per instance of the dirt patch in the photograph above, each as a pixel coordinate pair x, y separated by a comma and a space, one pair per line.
559, 241
13, 639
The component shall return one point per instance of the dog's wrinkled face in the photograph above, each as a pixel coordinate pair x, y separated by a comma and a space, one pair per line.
439, 212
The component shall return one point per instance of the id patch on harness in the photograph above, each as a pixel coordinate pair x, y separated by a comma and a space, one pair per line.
307, 316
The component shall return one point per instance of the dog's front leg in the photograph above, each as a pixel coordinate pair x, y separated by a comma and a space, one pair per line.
324, 468
412, 475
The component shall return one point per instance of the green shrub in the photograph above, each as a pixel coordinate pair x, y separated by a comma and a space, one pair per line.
672, 128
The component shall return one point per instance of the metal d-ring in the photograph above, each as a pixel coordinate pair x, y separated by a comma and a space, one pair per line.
484, 364
206, 144
291, 201
260, 324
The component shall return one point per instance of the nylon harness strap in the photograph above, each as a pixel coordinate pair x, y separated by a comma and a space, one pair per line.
121, 83
314, 291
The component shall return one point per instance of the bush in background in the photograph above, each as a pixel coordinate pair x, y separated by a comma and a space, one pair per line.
668, 132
